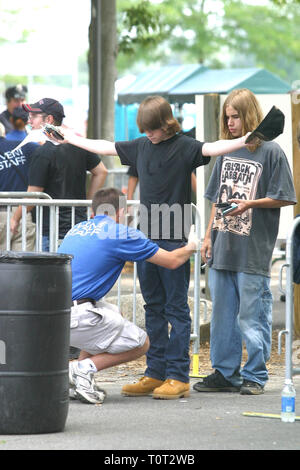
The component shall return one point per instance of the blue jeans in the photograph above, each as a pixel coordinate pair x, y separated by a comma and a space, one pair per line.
165, 293
242, 311
45, 243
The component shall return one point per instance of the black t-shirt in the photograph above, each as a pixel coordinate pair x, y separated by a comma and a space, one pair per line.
61, 171
164, 172
132, 172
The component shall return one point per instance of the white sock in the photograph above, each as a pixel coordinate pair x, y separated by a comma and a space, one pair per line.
87, 365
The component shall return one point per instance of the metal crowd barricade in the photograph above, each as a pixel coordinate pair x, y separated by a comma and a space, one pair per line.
16, 198
29, 199
290, 370
40, 200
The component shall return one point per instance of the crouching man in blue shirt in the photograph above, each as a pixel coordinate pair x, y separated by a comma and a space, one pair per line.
100, 248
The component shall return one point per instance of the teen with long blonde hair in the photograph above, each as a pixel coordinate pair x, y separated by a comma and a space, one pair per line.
238, 248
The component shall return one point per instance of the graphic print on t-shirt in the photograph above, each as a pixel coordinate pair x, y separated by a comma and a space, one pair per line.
10, 158
238, 180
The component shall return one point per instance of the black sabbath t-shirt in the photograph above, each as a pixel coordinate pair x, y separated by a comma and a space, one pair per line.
245, 242
238, 180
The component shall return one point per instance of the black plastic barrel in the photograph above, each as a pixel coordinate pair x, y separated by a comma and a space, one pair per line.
35, 303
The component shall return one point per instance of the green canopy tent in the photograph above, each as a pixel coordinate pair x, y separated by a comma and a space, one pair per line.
159, 81
223, 81
180, 83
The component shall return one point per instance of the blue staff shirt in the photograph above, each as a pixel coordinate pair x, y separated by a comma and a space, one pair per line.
100, 248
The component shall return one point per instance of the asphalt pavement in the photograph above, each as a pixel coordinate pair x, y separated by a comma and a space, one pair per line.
204, 421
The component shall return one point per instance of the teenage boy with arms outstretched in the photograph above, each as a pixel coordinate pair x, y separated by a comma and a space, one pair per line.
164, 160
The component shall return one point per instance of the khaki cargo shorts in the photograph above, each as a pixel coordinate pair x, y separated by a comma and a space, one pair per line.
102, 329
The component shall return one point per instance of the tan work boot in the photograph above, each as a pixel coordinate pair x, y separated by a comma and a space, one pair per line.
144, 386
172, 389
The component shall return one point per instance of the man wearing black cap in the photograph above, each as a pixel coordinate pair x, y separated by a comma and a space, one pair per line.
15, 97
46, 110
59, 170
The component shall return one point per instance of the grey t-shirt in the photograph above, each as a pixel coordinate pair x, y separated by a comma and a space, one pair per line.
245, 242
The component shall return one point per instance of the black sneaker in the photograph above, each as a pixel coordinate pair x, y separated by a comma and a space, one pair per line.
251, 388
215, 382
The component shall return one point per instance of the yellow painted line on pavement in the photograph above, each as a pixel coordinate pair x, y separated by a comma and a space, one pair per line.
265, 415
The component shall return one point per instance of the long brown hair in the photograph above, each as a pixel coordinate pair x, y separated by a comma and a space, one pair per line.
249, 111
156, 113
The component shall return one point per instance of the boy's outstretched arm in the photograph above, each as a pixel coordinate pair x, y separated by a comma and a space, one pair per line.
221, 147
103, 147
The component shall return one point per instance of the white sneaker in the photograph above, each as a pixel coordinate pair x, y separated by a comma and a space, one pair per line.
83, 385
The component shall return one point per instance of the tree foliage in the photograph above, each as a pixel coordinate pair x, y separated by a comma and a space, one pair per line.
285, 2
218, 34
141, 25
265, 36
